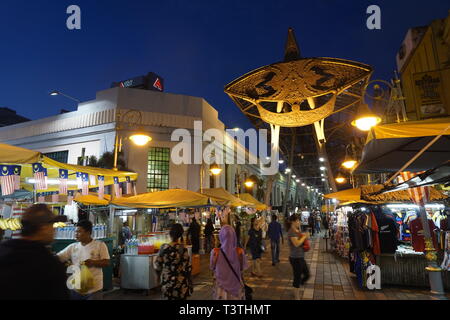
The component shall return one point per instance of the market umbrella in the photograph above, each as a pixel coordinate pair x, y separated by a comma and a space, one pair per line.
390, 146
173, 198
223, 197
249, 198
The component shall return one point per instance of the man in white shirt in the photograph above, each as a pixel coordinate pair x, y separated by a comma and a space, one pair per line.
94, 254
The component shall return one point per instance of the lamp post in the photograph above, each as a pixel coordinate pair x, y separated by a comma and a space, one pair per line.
139, 138
214, 169
59, 93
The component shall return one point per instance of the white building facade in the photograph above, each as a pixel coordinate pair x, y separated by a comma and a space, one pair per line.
92, 130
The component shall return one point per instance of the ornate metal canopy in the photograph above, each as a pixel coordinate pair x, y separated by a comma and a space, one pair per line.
310, 89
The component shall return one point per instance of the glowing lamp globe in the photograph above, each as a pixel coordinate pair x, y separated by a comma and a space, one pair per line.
140, 139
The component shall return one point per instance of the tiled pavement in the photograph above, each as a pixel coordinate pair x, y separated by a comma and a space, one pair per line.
330, 280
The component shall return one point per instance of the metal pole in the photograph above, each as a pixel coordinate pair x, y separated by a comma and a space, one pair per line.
288, 180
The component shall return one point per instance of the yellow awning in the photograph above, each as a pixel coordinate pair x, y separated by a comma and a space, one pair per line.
249, 198
13, 155
93, 199
345, 195
223, 197
173, 198
16, 155
364, 194
410, 129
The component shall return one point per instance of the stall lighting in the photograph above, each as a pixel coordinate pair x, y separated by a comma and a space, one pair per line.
294, 176
413, 206
53, 181
140, 139
323, 179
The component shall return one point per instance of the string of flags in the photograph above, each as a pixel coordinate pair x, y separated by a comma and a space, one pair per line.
10, 182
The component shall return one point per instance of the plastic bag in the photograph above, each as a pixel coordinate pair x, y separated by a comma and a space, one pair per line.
86, 279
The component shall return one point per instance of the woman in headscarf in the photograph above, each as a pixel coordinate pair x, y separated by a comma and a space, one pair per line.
228, 263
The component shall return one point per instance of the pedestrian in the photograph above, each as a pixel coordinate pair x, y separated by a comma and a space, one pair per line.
311, 223
237, 229
174, 267
318, 222
326, 225
194, 235
296, 254
125, 234
256, 249
209, 232
28, 269
90, 252
275, 234
228, 263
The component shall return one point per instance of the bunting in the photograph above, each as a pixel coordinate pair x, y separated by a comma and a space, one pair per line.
17, 171
101, 187
63, 177
117, 187
7, 180
40, 176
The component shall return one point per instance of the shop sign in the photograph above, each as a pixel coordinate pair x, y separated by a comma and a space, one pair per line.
429, 94
373, 277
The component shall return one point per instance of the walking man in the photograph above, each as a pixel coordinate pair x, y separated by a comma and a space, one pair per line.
28, 269
275, 234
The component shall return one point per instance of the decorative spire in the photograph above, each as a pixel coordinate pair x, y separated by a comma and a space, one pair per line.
291, 51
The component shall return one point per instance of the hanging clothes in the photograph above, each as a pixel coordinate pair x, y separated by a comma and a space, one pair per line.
417, 234
388, 234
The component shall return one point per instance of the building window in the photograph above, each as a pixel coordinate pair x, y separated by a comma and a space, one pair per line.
158, 169
60, 156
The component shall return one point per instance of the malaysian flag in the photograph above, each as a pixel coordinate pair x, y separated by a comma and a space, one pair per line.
70, 194
92, 180
55, 197
134, 188
39, 173
128, 184
419, 195
63, 177
117, 187
85, 184
7, 180
79, 180
40, 197
17, 171
101, 187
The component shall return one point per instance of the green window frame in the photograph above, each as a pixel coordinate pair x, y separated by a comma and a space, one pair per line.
158, 169
60, 156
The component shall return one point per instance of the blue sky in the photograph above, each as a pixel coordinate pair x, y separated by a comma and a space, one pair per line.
196, 46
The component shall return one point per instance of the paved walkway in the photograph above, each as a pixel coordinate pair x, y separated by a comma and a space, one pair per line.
330, 280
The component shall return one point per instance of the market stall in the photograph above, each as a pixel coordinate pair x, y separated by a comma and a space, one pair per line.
29, 177
385, 230
137, 271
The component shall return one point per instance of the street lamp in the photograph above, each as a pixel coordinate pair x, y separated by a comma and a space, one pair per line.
215, 169
139, 138
365, 119
59, 93
249, 183
349, 162
340, 178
